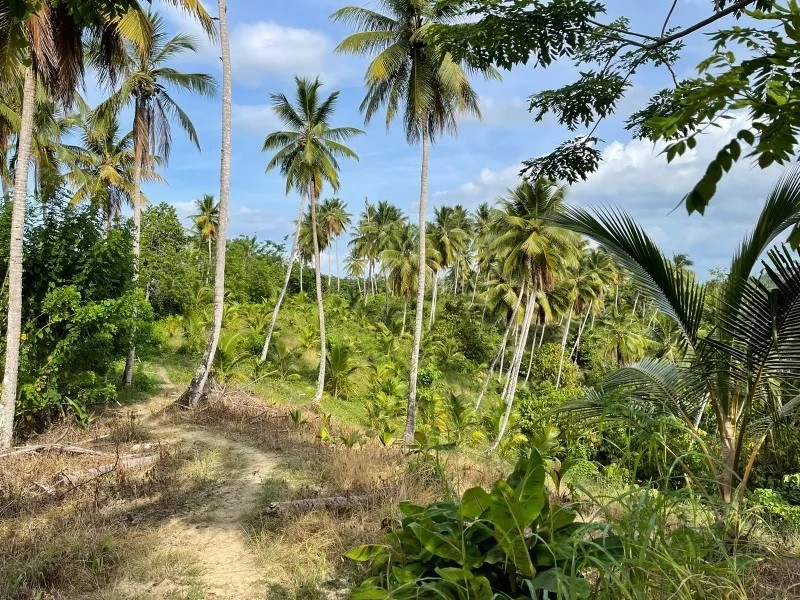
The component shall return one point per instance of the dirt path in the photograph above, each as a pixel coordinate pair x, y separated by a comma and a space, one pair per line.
215, 533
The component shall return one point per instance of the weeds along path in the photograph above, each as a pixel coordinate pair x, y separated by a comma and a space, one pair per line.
216, 533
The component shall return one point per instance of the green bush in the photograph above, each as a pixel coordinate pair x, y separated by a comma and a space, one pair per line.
506, 543
546, 359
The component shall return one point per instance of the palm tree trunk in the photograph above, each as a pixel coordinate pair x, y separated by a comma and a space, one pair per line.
581, 329
302, 267
320, 302
208, 273
14, 318
330, 268
530, 360
564, 344
514, 371
405, 310
499, 354
411, 413
434, 295
338, 270
191, 397
286, 279
139, 141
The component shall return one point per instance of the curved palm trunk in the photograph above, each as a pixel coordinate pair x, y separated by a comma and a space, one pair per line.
194, 391
514, 371
581, 329
500, 352
564, 345
338, 270
434, 298
14, 274
320, 303
411, 413
140, 132
286, 280
330, 268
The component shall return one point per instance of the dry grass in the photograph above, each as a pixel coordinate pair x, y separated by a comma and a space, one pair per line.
302, 555
83, 540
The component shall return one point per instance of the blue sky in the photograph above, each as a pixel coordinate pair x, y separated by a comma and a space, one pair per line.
274, 40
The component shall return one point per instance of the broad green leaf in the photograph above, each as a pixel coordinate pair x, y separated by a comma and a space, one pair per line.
450, 548
366, 552
510, 521
474, 503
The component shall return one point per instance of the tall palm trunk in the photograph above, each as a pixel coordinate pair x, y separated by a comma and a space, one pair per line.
208, 273
500, 352
320, 303
139, 141
330, 267
338, 269
514, 371
533, 351
286, 279
564, 344
14, 319
194, 391
405, 310
581, 329
411, 413
434, 298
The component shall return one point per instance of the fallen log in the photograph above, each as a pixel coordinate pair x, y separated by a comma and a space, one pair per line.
124, 462
295, 507
66, 448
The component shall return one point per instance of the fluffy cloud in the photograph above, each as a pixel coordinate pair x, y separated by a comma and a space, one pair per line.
636, 177
262, 49
258, 118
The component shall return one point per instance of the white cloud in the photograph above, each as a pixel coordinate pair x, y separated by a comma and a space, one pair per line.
262, 49
266, 48
255, 118
635, 176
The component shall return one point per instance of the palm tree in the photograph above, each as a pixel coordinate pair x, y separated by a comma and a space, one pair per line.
335, 220
449, 239
191, 396
532, 252
48, 37
206, 221
101, 167
306, 155
742, 361
146, 83
401, 261
412, 74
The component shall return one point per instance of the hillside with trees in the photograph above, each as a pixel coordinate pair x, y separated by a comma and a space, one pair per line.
516, 398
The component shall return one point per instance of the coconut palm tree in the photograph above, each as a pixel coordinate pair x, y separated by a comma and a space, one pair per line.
191, 396
146, 82
101, 166
206, 221
48, 37
335, 220
412, 74
532, 252
306, 154
449, 238
742, 361
401, 266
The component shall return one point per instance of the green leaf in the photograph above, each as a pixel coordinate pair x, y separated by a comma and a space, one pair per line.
747, 136
765, 160
474, 503
451, 548
794, 238
366, 552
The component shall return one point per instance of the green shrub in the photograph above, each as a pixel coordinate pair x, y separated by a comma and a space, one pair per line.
546, 359
506, 543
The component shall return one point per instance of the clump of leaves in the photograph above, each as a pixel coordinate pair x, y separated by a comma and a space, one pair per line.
505, 543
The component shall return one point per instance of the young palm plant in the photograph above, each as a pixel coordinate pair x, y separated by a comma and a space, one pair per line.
206, 222
742, 356
306, 154
412, 74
